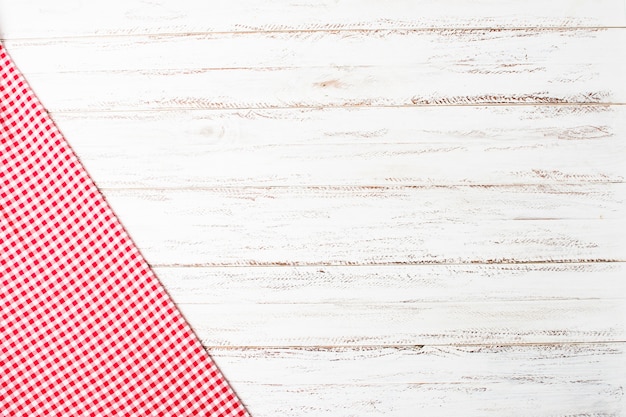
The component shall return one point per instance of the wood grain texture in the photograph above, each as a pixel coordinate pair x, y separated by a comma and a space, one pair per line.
501, 51
364, 225
364, 208
314, 87
446, 145
540, 380
439, 400
34, 18
394, 284
399, 305
440, 67
408, 323
427, 364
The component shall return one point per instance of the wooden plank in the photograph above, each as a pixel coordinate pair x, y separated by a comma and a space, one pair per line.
483, 323
461, 50
394, 284
326, 87
539, 380
515, 400
378, 365
374, 225
445, 145
542, 381
37, 18
482, 304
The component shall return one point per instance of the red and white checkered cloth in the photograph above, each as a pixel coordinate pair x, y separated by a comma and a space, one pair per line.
85, 327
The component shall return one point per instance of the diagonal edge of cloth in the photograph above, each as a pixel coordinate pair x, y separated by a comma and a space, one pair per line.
86, 329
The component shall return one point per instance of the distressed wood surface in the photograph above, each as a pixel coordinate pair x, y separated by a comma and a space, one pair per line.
365, 225
394, 283
36, 18
493, 145
440, 400
504, 51
409, 323
440, 67
587, 379
364, 208
314, 87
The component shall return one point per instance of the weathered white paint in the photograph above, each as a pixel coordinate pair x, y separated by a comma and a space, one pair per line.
313, 87
409, 323
324, 187
37, 18
537, 380
394, 283
356, 146
514, 51
564, 66
406, 400
362, 225
427, 364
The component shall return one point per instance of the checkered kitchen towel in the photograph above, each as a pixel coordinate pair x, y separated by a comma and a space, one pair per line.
85, 327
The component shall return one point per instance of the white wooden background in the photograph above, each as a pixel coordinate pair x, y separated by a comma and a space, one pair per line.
364, 208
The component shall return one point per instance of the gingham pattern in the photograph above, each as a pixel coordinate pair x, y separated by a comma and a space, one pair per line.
86, 329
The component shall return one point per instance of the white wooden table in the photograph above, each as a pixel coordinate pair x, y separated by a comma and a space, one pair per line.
364, 208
